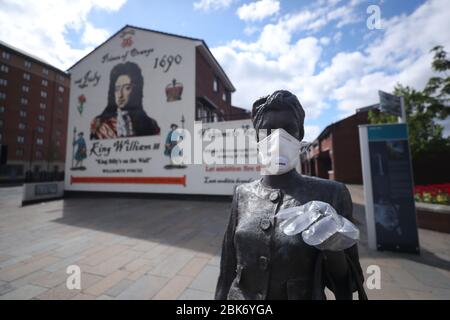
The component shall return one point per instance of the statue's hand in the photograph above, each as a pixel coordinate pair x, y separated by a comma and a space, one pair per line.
320, 226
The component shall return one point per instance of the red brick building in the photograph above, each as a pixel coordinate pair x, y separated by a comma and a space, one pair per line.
213, 90
335, 153
34, 99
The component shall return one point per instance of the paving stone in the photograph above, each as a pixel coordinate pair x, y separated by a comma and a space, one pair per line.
193, 294
193, 267
60, 292
136, 264
144, 289
206, 279
139, 273
112, 264
173, 289
119, 287
172, 264
215, 261
109, 252
82, 296
52, 279
26, 292
108, 282
17, 271
172, 253
6, 287
427, 275
29, 278
71, 260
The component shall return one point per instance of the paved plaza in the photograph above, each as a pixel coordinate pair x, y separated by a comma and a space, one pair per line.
156, 248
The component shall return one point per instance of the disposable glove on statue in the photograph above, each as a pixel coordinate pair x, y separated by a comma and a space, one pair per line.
320, 225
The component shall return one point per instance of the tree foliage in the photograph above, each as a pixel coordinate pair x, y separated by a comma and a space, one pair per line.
423, 109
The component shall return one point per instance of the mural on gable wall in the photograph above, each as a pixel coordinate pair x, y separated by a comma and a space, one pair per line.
127, 99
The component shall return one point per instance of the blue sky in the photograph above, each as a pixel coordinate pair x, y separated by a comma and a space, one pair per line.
323, 50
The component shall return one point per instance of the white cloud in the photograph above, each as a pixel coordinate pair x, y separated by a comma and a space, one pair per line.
275, 61
311, 133
397, 54
337, 37
256, 11
324, 41
400, 55
93, 36
40, 27
249, 30
211, 5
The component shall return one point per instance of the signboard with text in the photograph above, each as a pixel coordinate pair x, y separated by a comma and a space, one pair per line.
388, 185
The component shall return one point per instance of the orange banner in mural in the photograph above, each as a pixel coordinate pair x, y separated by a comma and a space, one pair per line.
130, 180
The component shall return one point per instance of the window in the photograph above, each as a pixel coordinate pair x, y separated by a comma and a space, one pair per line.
25, 88
27, 64
41, 117
22, 113
20, 139
43, 106
44, 94
4, 68
39, 154
27, 76
61, 78
58, 143
58, 133
215, 85
19, 152
44, 82
224, 96
39, 141
24, 101
2, 109
2, 96
60, 100
61, 89
40, 129
22, 126
3, 82
6, 55
45, 71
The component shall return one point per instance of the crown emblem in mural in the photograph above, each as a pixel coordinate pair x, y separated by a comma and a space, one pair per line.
127, 39
174, 90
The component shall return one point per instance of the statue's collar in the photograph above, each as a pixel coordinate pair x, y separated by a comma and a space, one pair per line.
265, 192
273, 194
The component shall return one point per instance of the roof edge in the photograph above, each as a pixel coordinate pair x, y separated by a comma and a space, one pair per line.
137, 28
35, 59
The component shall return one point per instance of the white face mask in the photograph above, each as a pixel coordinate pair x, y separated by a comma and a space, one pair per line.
278, 153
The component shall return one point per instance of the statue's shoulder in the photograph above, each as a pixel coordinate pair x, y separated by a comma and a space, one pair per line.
322, 184
247, 188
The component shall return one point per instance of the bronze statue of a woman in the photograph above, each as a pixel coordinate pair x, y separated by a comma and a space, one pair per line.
261, 262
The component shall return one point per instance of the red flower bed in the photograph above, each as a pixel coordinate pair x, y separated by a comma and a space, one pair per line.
435, 193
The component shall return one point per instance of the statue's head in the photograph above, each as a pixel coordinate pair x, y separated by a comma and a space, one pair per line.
280, 110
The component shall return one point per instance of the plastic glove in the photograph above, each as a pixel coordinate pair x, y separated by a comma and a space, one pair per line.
320, 225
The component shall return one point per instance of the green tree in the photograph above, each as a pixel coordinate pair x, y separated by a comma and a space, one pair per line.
422, 109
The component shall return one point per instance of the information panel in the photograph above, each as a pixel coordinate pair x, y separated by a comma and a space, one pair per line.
388, 184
